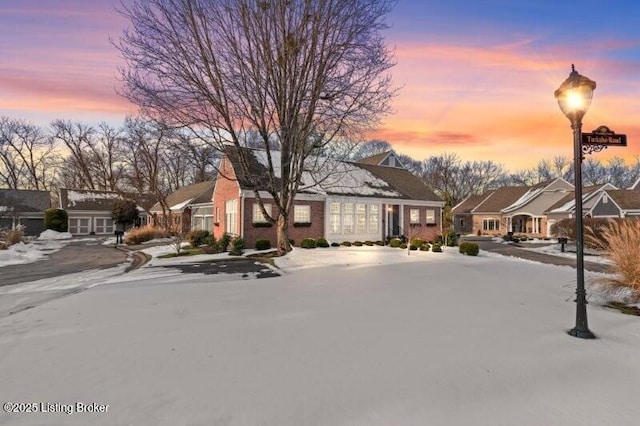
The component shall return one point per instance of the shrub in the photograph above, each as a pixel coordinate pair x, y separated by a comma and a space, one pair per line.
125, 212
470, 249
437, 248
368, 243
452, 239
335, 244
424, 247
403, 245
56, 219
210, 241
357, 243
197, 237
308, 243
322, 242
566, 228
237, 246
379, 243
263, 244
621, 240
346, 243
413, 247
12, 236
144, 233
223, 242
416, 242
395, 242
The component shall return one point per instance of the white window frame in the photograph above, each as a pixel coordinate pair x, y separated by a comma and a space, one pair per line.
77, 228
231, 216
491, 224
258, 217
430, 217
414, 216
335, 216
302, 213
374, 218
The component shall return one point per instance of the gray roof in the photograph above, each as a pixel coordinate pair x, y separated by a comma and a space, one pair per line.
21, 200
94, 200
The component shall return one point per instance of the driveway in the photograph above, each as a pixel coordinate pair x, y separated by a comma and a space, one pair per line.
74, 258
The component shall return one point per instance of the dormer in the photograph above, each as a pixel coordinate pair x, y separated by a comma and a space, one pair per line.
386, 159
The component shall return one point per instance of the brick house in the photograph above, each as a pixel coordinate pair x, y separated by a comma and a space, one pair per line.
373, 199
187, 208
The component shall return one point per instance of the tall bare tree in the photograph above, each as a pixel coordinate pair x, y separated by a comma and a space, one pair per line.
28, 158
302, 72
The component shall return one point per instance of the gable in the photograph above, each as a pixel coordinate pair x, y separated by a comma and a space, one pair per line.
386, 159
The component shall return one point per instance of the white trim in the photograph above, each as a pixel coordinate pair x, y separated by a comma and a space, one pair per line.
315, 197
80, 217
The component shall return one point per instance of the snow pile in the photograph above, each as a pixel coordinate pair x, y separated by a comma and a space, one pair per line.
30, 252
51, 235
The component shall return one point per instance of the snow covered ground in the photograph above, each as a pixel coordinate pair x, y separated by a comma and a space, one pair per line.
347, 336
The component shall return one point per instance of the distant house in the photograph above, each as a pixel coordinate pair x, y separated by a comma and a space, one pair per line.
189, 207
373, 199
90, 210
622, 203
24, 207
517, 209
482, 214
566, 207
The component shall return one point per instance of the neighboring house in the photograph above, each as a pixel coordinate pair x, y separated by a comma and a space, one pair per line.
24, 207
90, 211
373, 199
636, 184
189, 207
482, 214
621, 203
566, 207
528, 214
517, 209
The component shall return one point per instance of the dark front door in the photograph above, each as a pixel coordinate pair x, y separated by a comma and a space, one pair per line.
394, 221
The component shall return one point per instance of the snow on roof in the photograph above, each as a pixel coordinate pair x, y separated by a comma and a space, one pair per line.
75, 196
333, 177
180, 206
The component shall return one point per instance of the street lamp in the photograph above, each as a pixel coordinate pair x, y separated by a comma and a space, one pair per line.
574, 97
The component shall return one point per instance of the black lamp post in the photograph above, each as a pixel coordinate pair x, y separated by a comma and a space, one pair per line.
574, 97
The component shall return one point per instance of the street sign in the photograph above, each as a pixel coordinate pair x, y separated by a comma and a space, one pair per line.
603, 136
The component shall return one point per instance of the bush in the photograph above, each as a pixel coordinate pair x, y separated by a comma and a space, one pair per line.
566, 228
379, 243
308, 243
237, 246
357, 243
395, 242
470, 249
223, 242
621, 240
322, 242
210, 241
56, 219
125, 212
416, 242
346, 243
263, 244
335, 244
413, 247
11, 237
144, 233
424, 247
403, 245
437, 248
368, 243
452, 239
197, 237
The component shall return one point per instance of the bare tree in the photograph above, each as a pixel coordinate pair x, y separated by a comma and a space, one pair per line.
28, 157
302, 72
371, 148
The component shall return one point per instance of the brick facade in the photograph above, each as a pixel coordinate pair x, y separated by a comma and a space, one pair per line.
226, 189
422, 230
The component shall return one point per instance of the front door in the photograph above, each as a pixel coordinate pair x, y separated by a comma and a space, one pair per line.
394, 221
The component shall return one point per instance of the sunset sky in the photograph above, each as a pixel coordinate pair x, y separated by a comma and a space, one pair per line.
476, 77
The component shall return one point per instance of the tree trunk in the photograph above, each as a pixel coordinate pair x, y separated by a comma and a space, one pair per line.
282, 224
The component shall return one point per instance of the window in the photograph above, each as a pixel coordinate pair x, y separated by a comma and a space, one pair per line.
361, 218
374, 213
231, 216
490, 225
104, 225
431, 216
414, 216
605, 199
461, 223
258, 217
334, 218
208, 223
348, 223
217, 215
302, 214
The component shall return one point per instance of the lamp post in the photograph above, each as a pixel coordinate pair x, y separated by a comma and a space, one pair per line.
574, 97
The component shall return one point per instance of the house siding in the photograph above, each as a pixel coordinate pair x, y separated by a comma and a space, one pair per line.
252, 233
225, 190
608, 209
463, 223
422, 230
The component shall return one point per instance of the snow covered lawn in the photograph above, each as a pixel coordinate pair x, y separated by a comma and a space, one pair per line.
359, 336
